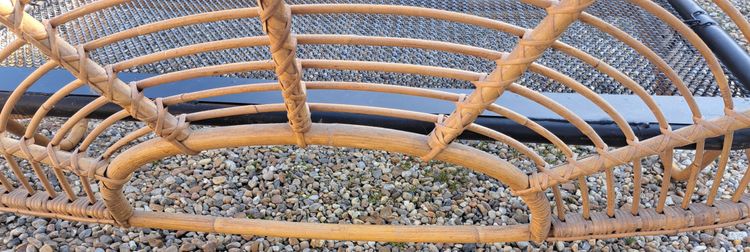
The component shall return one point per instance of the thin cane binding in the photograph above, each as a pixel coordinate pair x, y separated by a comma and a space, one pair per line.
111, 171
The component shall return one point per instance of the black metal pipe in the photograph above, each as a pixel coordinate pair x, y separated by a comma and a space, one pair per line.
734, 57
608, 130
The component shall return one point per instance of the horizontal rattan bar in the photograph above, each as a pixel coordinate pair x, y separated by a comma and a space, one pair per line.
391, 233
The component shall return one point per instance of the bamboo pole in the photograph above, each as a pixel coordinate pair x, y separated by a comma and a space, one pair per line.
509, 69
655, 145
349, 232
76, 61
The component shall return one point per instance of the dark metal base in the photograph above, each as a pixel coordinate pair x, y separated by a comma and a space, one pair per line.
638, 115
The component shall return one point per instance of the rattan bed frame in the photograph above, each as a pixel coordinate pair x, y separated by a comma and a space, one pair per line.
63, 154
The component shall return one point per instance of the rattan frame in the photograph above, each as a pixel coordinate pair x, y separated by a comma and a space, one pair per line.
65, 155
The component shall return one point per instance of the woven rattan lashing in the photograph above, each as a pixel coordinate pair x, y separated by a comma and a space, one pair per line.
67, 151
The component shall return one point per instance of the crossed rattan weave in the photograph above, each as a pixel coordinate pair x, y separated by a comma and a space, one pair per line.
63, 154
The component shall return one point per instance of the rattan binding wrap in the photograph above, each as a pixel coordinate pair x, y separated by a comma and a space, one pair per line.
66, 151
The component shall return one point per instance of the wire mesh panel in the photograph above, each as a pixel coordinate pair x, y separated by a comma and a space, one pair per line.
646, 28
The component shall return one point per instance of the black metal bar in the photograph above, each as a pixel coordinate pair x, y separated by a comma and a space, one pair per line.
638, 115
609, 131
734, 57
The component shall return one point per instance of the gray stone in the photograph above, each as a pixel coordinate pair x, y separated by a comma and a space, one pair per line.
407, 196
219, 180
304, 245
39, 223
106, 239
188, 246
706, 238
522, 244
209, 247
389, 187
230, 165
34, 242
171, 249
169, 180
17, 231
155, 241
46, 248
469, 247
204, 161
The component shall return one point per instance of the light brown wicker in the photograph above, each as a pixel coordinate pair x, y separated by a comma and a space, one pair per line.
64, 154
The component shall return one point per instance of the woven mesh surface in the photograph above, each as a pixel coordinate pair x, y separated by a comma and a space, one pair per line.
651, 31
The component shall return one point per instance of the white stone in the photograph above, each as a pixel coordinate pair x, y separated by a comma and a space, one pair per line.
204, 161
736, 236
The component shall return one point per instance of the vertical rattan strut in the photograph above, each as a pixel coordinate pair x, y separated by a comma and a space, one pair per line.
277, 23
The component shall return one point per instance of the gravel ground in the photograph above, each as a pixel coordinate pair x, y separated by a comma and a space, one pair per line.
338, 185
335, 185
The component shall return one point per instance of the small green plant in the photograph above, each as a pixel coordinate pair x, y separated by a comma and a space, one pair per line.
406, 164
289, 175
453, 185
397, 244
443, 177
630, 240
374, 197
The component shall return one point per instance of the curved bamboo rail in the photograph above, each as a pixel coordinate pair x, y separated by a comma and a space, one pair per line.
66, 151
